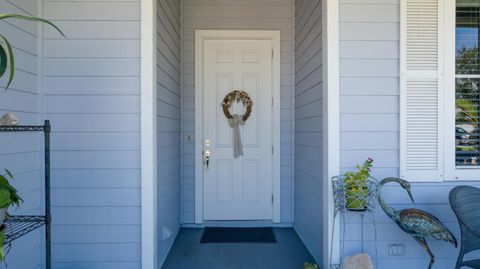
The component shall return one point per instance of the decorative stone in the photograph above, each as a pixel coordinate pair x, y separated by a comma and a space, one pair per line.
9, 119
361, 261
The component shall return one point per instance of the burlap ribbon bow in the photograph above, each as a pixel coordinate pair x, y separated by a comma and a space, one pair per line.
235, 122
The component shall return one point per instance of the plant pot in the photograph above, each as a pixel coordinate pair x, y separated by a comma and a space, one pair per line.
356, 197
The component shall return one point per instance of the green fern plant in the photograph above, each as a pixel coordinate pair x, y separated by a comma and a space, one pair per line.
356, 188
7, 57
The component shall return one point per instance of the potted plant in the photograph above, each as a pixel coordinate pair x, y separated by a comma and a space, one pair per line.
8, 197
356, 187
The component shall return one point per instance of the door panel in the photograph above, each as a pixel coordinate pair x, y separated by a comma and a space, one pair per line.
241, 188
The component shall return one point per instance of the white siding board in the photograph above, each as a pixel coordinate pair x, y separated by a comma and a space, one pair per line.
369, 31
89, 67
85, 104
237, 3
370, 104
91, 253
376, 86
239, 12
369, 50
96, 141
127, 11
92, 48
103, 30
91, 85
369, 68
104, 178
362, 12
84, 123
100, 234
360, 122
99, 215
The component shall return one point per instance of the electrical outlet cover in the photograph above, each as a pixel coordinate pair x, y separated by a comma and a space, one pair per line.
396, 250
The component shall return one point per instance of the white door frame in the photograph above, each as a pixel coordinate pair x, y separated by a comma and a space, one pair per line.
200, 37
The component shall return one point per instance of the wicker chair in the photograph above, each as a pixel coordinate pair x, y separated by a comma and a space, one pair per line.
465, 202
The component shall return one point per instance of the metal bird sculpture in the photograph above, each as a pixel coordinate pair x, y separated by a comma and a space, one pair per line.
418, 223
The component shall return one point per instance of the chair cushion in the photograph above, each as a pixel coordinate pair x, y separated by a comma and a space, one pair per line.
465, 202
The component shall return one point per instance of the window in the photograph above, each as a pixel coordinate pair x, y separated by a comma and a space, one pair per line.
440, 90
467, 84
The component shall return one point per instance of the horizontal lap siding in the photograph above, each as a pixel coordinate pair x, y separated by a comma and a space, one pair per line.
20, 152
168, 121
369, 66
92, 82
239, 15
308, 125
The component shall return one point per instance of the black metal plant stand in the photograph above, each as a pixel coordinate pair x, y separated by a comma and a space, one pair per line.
18, 226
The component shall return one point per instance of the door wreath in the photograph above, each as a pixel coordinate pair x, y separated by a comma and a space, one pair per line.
237, 96
236, 120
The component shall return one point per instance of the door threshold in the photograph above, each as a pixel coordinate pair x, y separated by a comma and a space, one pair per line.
239, 224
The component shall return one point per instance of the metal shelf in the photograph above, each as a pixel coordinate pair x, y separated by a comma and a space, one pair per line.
18, 226
25, 128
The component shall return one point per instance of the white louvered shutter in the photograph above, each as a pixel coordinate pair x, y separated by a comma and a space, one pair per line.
421, 104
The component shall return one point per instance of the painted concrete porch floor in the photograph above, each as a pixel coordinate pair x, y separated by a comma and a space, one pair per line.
187, 253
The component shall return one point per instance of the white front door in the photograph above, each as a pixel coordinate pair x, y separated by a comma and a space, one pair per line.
238, 188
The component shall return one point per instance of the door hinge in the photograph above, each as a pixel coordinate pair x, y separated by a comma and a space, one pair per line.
272, 149
273, 54
272, 198
273, 101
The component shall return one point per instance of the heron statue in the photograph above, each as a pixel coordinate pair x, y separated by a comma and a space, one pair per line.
418, 223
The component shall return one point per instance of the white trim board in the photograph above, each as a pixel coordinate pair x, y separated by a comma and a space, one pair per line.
331, 127
148, 135
200, 37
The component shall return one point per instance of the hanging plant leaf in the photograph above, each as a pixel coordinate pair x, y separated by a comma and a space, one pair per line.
30, 18
12, 60
5, 199
6, 53
3, 61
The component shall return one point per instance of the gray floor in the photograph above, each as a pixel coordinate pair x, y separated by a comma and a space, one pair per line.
187, 253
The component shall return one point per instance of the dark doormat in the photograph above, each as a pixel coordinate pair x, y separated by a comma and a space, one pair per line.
238, 235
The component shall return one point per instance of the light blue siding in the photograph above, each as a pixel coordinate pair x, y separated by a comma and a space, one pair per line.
308, 125
369, 64
169, 122
241, 15
21, 152
92, 82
